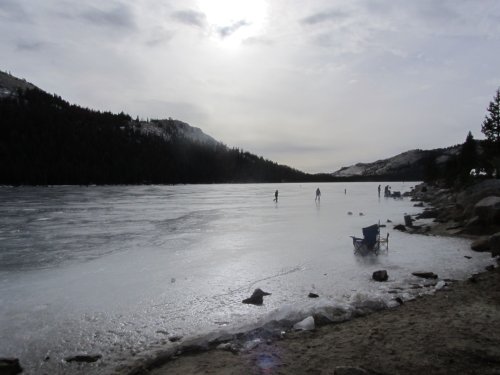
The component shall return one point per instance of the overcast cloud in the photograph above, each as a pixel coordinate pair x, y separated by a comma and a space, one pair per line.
316, 85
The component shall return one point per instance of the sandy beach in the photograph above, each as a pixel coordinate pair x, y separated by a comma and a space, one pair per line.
455, 331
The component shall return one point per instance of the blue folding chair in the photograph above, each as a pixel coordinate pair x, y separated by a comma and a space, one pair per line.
371, 241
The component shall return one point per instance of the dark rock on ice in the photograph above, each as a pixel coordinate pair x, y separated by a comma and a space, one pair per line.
481, 244
380, 275
257, 297
10, 366
400, 227
428, 213
313, 295
87, 358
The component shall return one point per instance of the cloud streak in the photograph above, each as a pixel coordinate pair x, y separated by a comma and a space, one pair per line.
191, 18
226, 31
118, 16
322, 17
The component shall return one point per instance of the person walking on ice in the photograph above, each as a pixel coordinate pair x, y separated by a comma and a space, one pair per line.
276, 196
318, 195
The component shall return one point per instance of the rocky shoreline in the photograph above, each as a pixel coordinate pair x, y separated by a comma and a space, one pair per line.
471, 212
455, 330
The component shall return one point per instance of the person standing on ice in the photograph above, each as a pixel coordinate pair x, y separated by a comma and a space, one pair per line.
318, 195
276, 196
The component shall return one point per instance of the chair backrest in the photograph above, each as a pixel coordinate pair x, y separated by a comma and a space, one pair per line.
370, 235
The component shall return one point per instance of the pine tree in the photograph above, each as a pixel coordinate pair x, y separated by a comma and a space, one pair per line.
467, 158
491, 124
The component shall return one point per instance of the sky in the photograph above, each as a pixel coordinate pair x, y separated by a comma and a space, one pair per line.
316, 85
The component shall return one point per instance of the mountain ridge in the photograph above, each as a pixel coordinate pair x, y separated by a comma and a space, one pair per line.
410, 163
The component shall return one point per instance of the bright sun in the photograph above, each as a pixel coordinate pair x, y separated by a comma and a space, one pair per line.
233, 21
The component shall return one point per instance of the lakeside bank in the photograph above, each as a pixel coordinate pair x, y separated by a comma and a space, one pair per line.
453, 331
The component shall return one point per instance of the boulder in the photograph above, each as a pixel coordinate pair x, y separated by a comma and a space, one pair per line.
480, 245
494, 242
425, 275
473, 194
400, 227
488, 210
10, 366
305, 325
473, 226
428, 213
257, 297
380, 275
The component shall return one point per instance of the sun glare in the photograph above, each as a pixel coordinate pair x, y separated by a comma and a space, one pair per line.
233, 21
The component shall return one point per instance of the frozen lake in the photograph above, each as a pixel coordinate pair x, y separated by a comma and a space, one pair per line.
117, 270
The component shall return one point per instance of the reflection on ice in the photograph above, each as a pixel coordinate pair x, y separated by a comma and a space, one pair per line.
123, 271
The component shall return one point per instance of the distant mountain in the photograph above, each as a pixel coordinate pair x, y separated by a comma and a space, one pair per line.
168, 129
44, 140
406, 166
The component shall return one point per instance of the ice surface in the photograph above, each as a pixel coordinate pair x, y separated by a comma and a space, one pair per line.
118, 270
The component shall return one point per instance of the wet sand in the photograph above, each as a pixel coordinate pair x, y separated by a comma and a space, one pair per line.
454, 331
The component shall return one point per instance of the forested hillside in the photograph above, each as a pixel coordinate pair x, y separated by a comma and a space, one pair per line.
45, 140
